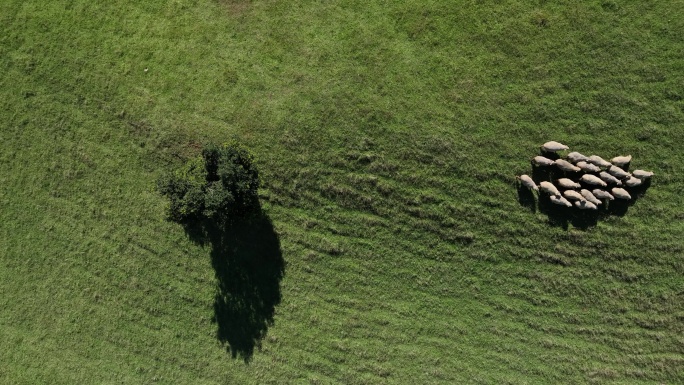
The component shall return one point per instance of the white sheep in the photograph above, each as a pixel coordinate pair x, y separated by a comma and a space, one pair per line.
633, 182
590, 197
542, 161
585, 205
559, 200
601, 194
575, 157
554, 146
568, 183
620, 193
593, 180
527, 182
573, 195
566, 166
588, 167
621, 161
641, 174
618, 172
598, 161
609, 178
549, 188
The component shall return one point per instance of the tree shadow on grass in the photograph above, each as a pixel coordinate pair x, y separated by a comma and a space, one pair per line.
249, 266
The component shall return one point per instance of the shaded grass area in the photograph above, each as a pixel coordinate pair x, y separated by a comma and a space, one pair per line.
389, 135
249, 266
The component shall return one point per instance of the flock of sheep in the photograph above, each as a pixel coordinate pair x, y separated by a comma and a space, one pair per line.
589, 181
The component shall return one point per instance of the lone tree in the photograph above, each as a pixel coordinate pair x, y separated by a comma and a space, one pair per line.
220, 184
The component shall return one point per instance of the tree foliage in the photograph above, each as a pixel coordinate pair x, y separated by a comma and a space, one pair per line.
220, 184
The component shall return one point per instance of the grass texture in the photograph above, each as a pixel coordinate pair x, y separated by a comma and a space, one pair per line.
393, 248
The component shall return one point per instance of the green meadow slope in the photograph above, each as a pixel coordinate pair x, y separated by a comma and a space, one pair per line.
388, 134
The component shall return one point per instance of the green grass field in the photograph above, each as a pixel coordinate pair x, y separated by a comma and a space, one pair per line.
388, 135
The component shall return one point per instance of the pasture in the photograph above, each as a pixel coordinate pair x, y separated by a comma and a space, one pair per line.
388, 134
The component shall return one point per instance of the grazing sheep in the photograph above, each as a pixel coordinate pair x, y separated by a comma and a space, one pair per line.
575, 157
554, 146
609, 178
618, 172
621, 161
585, 205
559, 200
633, 182
588, 167
641, 174
590, 197
620, 193
568, 183
598, 161
573, 195
527, 182
593, 180
542, 161
566, 166
549, 188
602, 194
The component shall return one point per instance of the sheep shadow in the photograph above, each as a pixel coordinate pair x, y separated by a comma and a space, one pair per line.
619, 207
248, 265
639, 191
541, 173
562, 216
558, 215
550, 155
584, 219
526, 198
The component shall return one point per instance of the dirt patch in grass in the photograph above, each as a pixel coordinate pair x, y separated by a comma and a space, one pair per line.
236, 7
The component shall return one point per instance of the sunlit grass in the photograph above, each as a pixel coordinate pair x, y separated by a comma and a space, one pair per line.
388, 135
